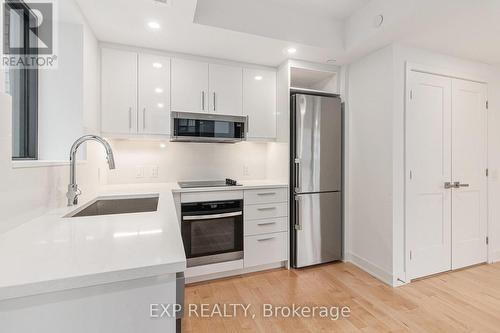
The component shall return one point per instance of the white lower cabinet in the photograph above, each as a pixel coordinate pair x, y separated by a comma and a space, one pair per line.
265, 249
265, 226
258, 227
266, 211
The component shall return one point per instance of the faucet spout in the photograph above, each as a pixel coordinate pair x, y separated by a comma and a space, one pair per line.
73, 190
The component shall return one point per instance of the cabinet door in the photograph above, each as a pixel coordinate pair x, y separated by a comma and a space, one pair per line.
189, 86
154, 94
225, 83
259, 102
119, 92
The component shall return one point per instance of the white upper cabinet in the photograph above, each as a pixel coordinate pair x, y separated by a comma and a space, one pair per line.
259, 102
119, 92
189, 86
225, 83
140, 90
154, 94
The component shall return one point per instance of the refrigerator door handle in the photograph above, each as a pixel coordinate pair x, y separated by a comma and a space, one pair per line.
297, 174
298, 224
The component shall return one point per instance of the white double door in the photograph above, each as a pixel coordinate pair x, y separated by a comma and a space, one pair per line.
446, 162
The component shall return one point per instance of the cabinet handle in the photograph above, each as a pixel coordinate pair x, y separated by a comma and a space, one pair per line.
214, 101
130, 118
144, 118
267, 193
266, 208
265, 239
266, 223
203, 100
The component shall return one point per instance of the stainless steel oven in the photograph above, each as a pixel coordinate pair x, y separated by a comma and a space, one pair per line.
212, 232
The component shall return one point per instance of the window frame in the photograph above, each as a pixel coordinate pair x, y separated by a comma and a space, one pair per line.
28, 104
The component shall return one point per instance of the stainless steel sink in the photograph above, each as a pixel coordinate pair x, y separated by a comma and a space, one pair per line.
114, 205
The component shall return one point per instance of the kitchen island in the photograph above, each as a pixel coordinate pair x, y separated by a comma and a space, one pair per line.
93, 273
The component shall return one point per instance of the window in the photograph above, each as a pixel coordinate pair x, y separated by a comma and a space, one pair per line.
22, 83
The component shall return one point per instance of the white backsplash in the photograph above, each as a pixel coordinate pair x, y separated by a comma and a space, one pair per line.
156, 161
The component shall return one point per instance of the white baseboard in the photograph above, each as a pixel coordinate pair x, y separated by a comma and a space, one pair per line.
494, 257
370, 268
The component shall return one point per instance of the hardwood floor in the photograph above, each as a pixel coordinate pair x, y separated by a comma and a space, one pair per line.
462, 301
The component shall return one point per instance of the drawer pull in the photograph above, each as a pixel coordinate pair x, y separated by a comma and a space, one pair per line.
266, 193
265, 239
266, 208
266, 223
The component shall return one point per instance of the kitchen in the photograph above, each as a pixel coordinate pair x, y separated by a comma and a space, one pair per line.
186, 168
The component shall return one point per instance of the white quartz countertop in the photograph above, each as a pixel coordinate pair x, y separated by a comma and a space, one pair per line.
53, 253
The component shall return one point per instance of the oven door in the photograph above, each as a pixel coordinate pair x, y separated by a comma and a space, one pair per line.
212, 238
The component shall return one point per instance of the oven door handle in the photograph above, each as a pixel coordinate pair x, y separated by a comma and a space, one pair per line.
210, 217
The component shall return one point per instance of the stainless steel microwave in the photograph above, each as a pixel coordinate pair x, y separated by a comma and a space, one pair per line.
200, 127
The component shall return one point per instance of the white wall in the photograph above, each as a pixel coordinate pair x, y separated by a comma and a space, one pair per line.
470, 69
369, 155
60, 100
28, 192
187, 161
376, 155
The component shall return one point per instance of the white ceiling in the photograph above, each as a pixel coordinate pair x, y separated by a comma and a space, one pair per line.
259, 31
336, 9
124, 22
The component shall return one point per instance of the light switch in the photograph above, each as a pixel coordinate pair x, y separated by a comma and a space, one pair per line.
154, 171
139, 172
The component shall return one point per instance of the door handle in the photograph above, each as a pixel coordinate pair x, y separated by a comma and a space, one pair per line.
297, 175
210, 217
449, 185
298, 224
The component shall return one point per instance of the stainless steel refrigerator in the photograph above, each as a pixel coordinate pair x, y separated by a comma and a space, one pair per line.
316, 178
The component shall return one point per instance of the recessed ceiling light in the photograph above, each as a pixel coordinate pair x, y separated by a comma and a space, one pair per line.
157, 65
258, 77
158, 90
160, 105
162, 145
153, 25
291, 50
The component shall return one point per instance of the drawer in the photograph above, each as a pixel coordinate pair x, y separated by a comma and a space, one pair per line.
265, 211
210, 196
258, 227
265, 249
270, 195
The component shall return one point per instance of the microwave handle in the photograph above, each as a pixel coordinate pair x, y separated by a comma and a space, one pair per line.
210, 217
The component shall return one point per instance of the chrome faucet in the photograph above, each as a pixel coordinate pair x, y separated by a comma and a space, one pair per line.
73, 190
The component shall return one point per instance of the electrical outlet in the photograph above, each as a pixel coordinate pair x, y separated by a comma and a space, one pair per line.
139, 172
245, 170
